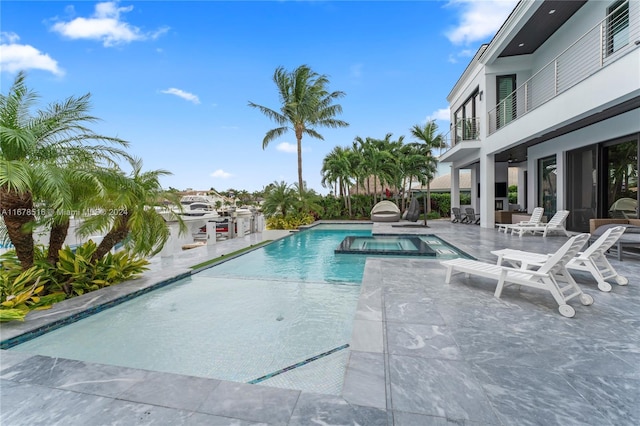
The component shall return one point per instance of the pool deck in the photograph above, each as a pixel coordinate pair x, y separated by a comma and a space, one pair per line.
422, 353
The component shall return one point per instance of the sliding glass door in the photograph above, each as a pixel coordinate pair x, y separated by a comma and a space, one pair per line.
582, 187
547, 185
620, 160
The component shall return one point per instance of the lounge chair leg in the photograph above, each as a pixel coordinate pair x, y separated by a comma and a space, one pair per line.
500, 285
447, 278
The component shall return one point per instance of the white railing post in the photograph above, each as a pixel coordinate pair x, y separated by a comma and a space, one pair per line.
602, 36
526, 97
555, 77
504, 113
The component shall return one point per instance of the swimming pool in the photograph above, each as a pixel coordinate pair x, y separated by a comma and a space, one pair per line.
290, 303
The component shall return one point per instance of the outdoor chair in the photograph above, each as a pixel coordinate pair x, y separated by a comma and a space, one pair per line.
457, 215
592, 260
471, 216
546, 277
534, 220
555, 224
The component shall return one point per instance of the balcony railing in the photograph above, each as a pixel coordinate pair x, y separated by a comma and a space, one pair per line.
467, 129
609, 40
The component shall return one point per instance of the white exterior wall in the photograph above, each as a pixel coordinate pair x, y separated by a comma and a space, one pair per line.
611, 85
579, 101
460, 96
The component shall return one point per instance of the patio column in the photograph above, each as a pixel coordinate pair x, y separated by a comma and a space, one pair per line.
487, 174
522, 187
455, 187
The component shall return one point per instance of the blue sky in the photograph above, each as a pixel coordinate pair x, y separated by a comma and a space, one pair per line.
174, 78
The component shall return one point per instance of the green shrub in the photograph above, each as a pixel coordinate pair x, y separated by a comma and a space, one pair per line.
19, 293
82, 276
74, 274
291, 221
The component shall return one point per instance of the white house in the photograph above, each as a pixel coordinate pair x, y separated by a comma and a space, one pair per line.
556, 94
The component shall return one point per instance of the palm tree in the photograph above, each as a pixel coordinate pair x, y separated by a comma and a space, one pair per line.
411, 163
427, 141
337, 171
129, 216
279, 198
305, 104
35, 153
377, 160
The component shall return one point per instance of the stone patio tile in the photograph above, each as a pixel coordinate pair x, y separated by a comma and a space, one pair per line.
364, 382
317, 409
618, 399
11, 358
400, 418
201, 419
428, 341
26, 404
528, 396
412, 312
438, 387
367, 336
125, 413
171, 390
78, 376
251, 402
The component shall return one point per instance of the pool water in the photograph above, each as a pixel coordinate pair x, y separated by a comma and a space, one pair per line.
250, 317
399, 245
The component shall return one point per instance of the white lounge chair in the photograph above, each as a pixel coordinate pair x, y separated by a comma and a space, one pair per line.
545, 278
534, 220
592, 260
555, 224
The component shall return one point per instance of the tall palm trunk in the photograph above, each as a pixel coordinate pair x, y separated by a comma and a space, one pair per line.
299, 141
118, 232
17, 212
58, 234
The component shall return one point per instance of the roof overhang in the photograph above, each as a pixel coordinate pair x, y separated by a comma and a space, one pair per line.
529, 26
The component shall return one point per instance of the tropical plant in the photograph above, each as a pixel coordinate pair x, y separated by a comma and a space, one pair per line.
37, 152
306, 104
292, 221
378, 161
82, 274
338, 172
127, 213
280, 198
18, 294
428, 139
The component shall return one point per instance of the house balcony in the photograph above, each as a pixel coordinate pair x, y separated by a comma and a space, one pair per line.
465, 140
606, 49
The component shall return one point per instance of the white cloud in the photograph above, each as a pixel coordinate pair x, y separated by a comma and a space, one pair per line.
479, 20
182, 94
107, 26
441, 114
15, 57
287, 147
221, 174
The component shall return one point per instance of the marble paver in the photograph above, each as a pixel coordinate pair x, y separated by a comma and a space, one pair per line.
422, 353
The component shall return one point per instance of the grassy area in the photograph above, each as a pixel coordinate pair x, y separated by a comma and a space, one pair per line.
227, 256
